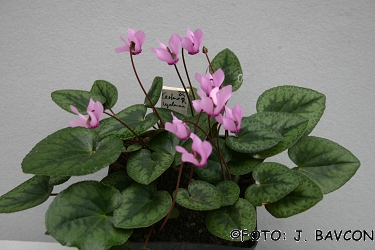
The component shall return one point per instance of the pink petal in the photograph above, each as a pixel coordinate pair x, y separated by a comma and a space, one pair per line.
74, 109
175, 43
163, 55
218, 78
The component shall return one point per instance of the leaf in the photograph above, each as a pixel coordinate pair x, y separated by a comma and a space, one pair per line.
254, 136
154, 92
164, 142
325, 162
229, 63
57, 180
134, 116
200, 196
106, 89
241, 215
241, 164
306, 195
275, 182
29, 194
305, 102
142, 206
230, 191
78, 98
144, 166
72, 152
291, 127
119, 180
80, 217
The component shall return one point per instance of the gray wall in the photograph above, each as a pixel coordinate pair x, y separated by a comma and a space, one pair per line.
325, 45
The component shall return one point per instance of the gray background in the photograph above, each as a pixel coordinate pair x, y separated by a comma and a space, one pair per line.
325, 45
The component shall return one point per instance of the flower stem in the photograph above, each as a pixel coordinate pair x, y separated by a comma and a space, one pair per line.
187, 73
174, 197
186, 92
148, 236
144, 91
205, 51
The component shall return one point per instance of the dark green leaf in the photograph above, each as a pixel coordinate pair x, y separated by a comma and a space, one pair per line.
275, 182
326, 162
120, 180
78, 98
80, 217
229, 63
71, 152
164, 142
57, 180
106, 89
241, 164
154, 92
305, 102
29, 194
142, 206
230, 190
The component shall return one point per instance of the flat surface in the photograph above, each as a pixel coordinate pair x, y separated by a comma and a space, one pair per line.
28, 245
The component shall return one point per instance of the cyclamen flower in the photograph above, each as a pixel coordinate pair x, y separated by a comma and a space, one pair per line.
232, 119
210, 81
94, 110
193, 40
169, 54
178, 127
138, 38
214, 103
200, 152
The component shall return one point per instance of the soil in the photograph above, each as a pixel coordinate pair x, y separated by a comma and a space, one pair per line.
189, 226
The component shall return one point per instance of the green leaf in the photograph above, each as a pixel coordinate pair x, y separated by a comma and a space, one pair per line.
80, 217
305, 102
29, 194
326, 162
106, 89
254, 136
164, 142
229, 63
142, 206
72, 152
134, 116
144, 166
291, 127
120, 180
306, 195
241, 215
78, 98
57, 180
200, 196
241, 164
154, 92
275, 182
230, 191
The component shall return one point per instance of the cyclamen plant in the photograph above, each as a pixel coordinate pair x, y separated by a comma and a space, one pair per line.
216, 143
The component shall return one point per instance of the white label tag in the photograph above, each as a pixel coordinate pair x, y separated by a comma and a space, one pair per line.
174, 99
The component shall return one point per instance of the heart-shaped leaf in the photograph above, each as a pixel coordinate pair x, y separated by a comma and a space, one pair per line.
80, 217
106, 89
239, 216
307, 103
134, 116
254, 136
326, 162
200, 196
229, 63
144, 166
71, 152
291, 127
230, 191
29, 194
165, 142
120, 180
154, 92
306, 195
78, 98
275, 182
57, 180
142, 206
241, 164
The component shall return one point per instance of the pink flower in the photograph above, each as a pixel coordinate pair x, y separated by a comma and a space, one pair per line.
94, 110
200, 152
210, 81
232, 119
214, 103
178, 127
138, 38
169, 54
193, 40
